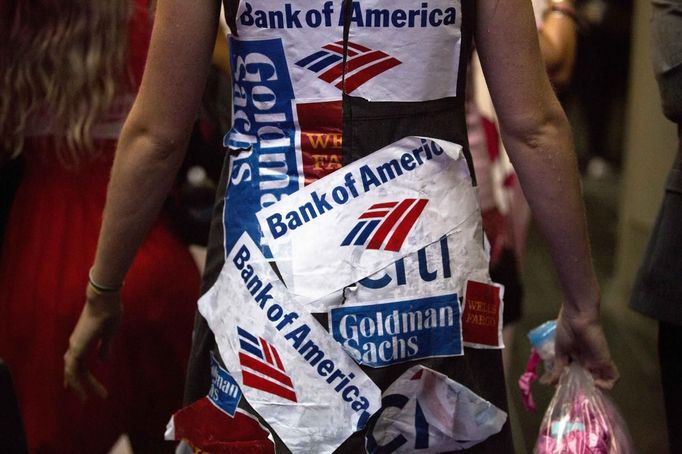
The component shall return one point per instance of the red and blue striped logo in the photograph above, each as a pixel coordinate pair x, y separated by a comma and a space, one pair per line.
387, 223
262, 367
362, 64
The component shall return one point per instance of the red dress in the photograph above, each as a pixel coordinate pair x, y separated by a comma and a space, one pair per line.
49, 245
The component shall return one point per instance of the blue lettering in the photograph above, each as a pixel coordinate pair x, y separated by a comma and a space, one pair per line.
320, 203
368, 178
246, 18
450, 17
421, 428
398, 18
263, 126
242, 256
277, 227
298, 335
276, 19
261, 19
293, 220
445, 253
433, 20
313, 18
424, 273
275, 312
348, 391
263, 296
340, 195
392, 400
389, 170
292, 17
407, 161
376, 283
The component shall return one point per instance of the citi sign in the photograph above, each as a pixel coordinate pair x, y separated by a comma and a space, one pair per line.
359, 181
389, 218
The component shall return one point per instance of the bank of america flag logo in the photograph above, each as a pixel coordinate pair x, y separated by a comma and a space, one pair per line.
388, 224
362, 64
262, 367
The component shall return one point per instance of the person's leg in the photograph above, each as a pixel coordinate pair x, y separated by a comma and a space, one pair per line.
669, 349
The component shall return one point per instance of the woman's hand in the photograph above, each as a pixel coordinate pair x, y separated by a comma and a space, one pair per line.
579, 337
95, 329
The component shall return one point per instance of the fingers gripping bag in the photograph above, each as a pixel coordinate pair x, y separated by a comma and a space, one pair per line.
581, 419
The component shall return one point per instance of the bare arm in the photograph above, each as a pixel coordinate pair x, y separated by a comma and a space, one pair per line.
537, 137
154, 138
149, 153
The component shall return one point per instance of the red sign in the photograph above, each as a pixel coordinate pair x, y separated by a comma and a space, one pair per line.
321, 138
482, 315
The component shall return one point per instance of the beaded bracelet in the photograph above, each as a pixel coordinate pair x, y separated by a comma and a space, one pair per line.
102, 289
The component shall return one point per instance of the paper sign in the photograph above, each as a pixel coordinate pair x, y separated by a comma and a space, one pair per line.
288, 367
432, 50
207, 428
440, 268
389, 43
224, 392
367, 215
424, 411
482, 315
382, 334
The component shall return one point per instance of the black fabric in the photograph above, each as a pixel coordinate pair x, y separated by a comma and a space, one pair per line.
11, 173
12, 436
367, 127
669, 347
658, 287
231, 14
198, 379
506, 272
666, 38
670, 89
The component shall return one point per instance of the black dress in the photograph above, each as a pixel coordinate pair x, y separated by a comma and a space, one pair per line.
404, 75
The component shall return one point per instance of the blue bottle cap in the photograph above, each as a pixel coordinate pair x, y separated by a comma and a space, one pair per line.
541, 334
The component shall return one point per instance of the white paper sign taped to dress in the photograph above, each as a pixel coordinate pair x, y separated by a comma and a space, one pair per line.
389, 43
439, 268
288, 367
424, 411
368, 214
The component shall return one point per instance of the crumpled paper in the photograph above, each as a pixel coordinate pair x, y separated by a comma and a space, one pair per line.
425, 411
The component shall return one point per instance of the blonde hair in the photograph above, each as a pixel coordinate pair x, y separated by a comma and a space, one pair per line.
62, 61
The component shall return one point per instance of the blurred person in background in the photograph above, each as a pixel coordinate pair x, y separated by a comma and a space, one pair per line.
658, 288
69, 73
597, 96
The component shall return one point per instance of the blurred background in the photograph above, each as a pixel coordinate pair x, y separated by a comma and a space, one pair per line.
625, 147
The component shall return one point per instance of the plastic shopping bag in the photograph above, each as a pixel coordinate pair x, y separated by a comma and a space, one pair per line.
581, 419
